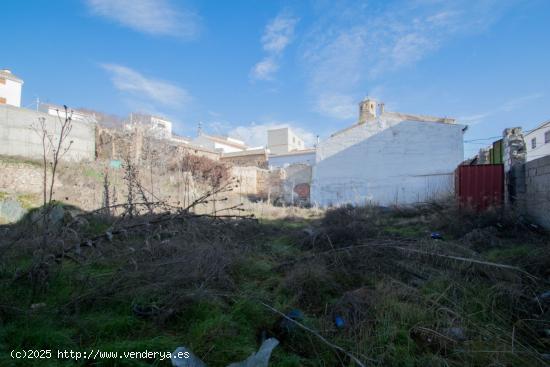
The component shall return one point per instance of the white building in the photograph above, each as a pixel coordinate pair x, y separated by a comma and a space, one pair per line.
283, 140
161, 128
56, 110
10, 88
304, 156
223, 144
538, 141
154, 126
387, 158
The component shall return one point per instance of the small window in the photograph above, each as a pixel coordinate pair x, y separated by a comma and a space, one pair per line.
2, 100
533, 143
2, 80
547, 137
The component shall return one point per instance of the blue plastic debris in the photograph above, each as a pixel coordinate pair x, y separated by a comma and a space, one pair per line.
339, 322
437, 236
286, 325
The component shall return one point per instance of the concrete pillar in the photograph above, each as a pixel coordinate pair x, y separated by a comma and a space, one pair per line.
514, 152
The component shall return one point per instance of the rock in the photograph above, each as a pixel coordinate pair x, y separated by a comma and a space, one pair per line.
36, 306
11, 210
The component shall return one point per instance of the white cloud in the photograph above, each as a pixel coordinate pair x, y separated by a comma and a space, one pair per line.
156, 17
352, 45
265, 69
278, 34
338, 106
508, 106
146, 90
256, 134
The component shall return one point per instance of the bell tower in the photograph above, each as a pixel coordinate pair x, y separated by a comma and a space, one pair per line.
367, 110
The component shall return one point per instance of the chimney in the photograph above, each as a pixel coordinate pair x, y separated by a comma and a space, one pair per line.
367, 110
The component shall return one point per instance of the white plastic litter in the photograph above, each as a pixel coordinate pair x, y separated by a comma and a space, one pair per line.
258, 359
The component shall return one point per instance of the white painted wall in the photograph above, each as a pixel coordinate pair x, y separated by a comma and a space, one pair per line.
387, 162
283, 140
280, 161
11, 91
542, 146
215, 145
17, 137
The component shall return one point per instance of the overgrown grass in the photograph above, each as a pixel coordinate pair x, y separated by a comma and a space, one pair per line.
20, 160
200, 283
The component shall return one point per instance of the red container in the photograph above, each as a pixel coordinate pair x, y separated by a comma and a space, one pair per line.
480, 186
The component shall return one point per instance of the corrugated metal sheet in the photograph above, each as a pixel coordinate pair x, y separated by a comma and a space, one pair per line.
480, 186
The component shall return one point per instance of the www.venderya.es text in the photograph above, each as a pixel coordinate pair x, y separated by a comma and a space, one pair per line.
93, 354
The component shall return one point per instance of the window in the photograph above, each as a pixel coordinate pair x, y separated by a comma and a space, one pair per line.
533, 143
2, 80
547, 137
2, 100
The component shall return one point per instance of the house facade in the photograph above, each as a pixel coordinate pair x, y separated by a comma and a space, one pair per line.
283, 140
387, 158
222, 144
538, 142
10, 88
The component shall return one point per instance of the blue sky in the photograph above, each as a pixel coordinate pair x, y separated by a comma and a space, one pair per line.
240, 67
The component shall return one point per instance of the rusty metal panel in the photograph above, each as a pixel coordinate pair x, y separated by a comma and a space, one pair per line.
480, 186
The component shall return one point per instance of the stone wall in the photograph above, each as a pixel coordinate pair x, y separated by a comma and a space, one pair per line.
20, 177
19, 138
247, 160
137, 145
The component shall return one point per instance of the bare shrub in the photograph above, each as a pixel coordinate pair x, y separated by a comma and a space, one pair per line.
311, 284
204, 170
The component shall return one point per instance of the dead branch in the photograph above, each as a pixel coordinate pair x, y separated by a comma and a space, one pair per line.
331, 345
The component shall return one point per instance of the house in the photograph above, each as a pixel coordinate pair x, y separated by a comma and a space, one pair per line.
155, 126
538, 141
287, 148
387, 158
283, 140
59, 111
10, 88
223, 144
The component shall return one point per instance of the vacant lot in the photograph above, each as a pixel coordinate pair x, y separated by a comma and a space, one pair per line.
422, 286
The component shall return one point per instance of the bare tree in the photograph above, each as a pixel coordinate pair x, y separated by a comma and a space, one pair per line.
54, 147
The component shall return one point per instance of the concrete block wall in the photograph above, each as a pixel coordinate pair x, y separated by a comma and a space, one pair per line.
18, 138
536, 196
